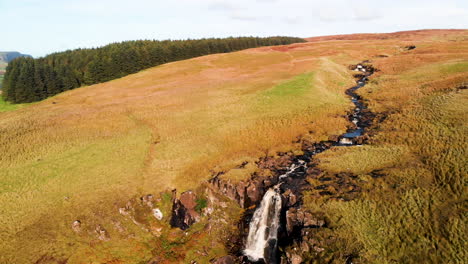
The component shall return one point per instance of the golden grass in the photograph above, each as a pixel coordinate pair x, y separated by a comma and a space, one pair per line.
163, 128
415, 213
169, 127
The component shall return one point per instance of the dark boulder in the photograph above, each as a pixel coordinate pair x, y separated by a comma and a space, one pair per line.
183, 210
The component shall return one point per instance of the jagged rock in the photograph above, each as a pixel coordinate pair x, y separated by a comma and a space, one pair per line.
189, 200
154, 260
318, 249
304, 247
158, 214
208, 210
254, 192
295, 259
230, 191
183, 210
118, 226
76, 226
102, 233
240, 188
127, 209
311, 221
157, 231
290, 219
277, 163
225, 260
148, 200
301, 218
290, 198
235, 192
333, 137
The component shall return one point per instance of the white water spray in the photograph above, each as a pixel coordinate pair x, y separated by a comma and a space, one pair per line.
263, 229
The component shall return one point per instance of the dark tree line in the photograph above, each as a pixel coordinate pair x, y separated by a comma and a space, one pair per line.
28, 80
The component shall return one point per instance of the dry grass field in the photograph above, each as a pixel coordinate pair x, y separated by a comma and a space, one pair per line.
84, 153
413, 174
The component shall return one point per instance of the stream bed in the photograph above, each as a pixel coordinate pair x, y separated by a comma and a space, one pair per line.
268, 227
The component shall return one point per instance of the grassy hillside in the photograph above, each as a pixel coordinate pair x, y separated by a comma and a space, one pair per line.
84, 153
412, 208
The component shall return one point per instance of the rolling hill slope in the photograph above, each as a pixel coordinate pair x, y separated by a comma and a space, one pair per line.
85, 153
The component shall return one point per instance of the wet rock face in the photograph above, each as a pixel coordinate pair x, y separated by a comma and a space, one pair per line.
290, 198
254, 192
183, 210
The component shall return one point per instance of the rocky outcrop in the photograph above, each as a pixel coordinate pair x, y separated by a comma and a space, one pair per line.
183, 210
244, 193
148, 200
294, 258
362, 67
300, 218
157, 214
290, 198
250, 192
102, 233
76, 226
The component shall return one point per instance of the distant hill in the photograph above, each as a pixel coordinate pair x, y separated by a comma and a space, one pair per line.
7, 56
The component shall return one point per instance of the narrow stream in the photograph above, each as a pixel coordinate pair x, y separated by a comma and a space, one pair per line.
261, 244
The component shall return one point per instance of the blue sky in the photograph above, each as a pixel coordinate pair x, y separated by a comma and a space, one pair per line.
39, 27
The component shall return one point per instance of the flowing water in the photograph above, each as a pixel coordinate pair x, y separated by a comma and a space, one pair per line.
263, 231
262, 240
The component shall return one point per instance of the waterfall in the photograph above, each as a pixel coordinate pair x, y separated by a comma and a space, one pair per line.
263, 229
262, 240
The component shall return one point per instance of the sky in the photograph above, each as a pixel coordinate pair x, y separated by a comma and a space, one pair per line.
40, 27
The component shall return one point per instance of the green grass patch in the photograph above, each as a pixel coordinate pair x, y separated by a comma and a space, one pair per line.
295, 87
6, 106
201, 203
288, 96
454, 68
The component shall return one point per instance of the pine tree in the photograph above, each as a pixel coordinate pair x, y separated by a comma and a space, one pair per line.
28, 80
